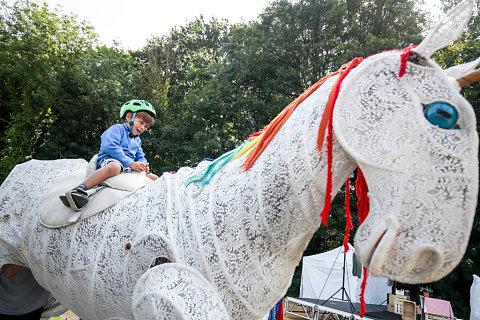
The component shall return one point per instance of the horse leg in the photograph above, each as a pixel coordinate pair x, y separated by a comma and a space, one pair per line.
175, 291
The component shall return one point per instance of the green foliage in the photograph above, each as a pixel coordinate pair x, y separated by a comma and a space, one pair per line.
38, 51
181, 79
215, 84
88, 103
59, 91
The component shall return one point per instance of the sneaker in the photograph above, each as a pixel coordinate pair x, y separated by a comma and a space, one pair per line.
76, 198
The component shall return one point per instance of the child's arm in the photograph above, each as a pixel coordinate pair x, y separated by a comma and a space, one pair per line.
140, 155
111, 144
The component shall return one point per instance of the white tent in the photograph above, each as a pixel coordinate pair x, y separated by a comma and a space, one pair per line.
322, 276
475, 299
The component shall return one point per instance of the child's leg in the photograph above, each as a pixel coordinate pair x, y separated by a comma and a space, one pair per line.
152, 176
77, 198
99, 175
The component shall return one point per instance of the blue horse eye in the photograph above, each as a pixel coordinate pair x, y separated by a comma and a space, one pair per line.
442, 115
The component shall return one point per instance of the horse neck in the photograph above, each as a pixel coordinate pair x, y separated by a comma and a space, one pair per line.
263, 218
290, 176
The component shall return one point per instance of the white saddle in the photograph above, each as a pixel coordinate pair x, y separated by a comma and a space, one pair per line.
53, 214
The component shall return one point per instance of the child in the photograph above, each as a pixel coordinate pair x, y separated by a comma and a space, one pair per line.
120, 151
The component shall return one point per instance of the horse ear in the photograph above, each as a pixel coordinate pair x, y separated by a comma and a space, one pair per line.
460, 70
447, 30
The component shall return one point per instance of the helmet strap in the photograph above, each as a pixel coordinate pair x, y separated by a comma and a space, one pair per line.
130, 129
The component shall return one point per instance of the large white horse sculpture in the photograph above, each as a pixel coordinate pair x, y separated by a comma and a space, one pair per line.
234, 247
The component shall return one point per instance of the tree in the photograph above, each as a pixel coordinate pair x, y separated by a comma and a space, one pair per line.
298, 42
183, 69
215, 84
38, 50
87, 103
60, 91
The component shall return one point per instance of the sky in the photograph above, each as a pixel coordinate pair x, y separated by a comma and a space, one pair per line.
132, 22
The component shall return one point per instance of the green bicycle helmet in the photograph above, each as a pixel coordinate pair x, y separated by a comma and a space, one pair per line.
137, 105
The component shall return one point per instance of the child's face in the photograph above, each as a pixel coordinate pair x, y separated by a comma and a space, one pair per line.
139, 125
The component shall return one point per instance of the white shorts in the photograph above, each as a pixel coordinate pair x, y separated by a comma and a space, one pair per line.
107, 161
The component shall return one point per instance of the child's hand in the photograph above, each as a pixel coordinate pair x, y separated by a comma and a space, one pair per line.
138, 166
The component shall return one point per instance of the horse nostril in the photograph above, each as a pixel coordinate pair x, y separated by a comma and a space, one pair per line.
424, 262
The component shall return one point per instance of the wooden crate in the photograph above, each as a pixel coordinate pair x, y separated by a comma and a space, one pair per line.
409, 311
395, 303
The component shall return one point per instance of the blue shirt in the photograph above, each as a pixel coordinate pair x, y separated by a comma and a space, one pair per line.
117, 144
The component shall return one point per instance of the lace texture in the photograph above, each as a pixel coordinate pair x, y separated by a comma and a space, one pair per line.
239, 241
160, 285
422, 179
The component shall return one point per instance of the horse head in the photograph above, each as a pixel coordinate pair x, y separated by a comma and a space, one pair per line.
415, 139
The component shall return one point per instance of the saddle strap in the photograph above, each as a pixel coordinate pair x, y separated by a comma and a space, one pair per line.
93, 190
75, 217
